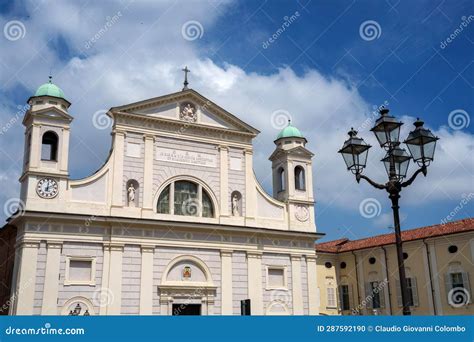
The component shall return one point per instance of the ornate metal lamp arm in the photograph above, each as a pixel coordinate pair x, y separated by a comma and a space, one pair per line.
370, 181
422, 169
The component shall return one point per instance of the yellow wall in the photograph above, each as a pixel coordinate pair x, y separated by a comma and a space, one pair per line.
386, 267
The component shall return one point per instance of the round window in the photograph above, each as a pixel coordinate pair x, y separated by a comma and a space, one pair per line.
343, 264
372, 260
452, 249
405, 256
328, 264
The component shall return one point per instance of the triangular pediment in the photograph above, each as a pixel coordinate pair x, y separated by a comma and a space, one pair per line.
299, 151
48, 113
187, 106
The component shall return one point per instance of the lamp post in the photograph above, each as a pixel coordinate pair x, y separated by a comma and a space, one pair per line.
420, 142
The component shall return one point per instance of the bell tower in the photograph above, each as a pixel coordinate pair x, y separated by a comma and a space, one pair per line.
45, 163
293, 175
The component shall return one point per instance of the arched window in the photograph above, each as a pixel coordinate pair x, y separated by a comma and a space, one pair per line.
281, 179
185, 198
49, 146
300, 183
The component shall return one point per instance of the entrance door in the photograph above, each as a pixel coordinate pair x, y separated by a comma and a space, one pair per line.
186, 309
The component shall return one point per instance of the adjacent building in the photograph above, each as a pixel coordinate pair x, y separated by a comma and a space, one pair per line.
360, 277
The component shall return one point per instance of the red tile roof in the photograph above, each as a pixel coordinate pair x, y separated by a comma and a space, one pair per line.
345, 245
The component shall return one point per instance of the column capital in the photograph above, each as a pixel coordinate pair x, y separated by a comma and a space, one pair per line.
148, 137
120, 132
311, 258
295, 256
147, 248
114, 247
254, 254
248, 151
54, 244
226, 252
28, 243
223, 148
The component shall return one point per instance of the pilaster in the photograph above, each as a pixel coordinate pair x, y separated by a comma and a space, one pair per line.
51, 279
254, 264
226, 281
146, 280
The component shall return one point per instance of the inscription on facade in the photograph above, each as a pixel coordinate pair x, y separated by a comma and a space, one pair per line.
186, 157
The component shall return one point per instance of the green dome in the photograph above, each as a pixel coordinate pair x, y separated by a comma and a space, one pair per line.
50, 89
290, 132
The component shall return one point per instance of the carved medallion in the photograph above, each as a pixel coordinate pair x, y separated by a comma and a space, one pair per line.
186, 272
302, 213
187, 112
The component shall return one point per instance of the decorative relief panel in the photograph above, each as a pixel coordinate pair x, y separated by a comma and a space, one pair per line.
302, 213
187, 112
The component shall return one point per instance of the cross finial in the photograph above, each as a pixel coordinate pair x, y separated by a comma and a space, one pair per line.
186, 70
50, 79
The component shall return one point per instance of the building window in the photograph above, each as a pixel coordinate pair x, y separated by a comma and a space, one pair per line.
458, 288
80, 271
331, 293
372, 260
345, 297
343, 265
185, 198
281, 179
327, 264
452, 249
49, 146
375, 293
299, 178
276, 278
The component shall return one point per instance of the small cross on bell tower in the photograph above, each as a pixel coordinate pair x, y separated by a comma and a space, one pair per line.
185, 83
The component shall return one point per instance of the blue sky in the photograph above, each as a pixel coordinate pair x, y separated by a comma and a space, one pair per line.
324, 71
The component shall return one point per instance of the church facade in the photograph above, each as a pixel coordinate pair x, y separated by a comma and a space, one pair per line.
174, 222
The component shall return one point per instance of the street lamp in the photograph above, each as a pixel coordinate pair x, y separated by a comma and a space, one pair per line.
420, 142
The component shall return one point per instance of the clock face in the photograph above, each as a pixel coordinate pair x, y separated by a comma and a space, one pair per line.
47, 188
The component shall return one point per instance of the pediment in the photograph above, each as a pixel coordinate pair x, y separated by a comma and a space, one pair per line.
48, 113
299, 151
187, 106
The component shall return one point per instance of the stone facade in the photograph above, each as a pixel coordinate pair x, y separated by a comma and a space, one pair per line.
174, 219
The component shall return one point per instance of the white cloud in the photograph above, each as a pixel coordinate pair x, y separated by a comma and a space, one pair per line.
140, 56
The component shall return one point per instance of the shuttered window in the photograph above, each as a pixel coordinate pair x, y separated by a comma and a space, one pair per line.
331, 292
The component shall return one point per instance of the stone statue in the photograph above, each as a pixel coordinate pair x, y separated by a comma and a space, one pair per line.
235, 205
131, 195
